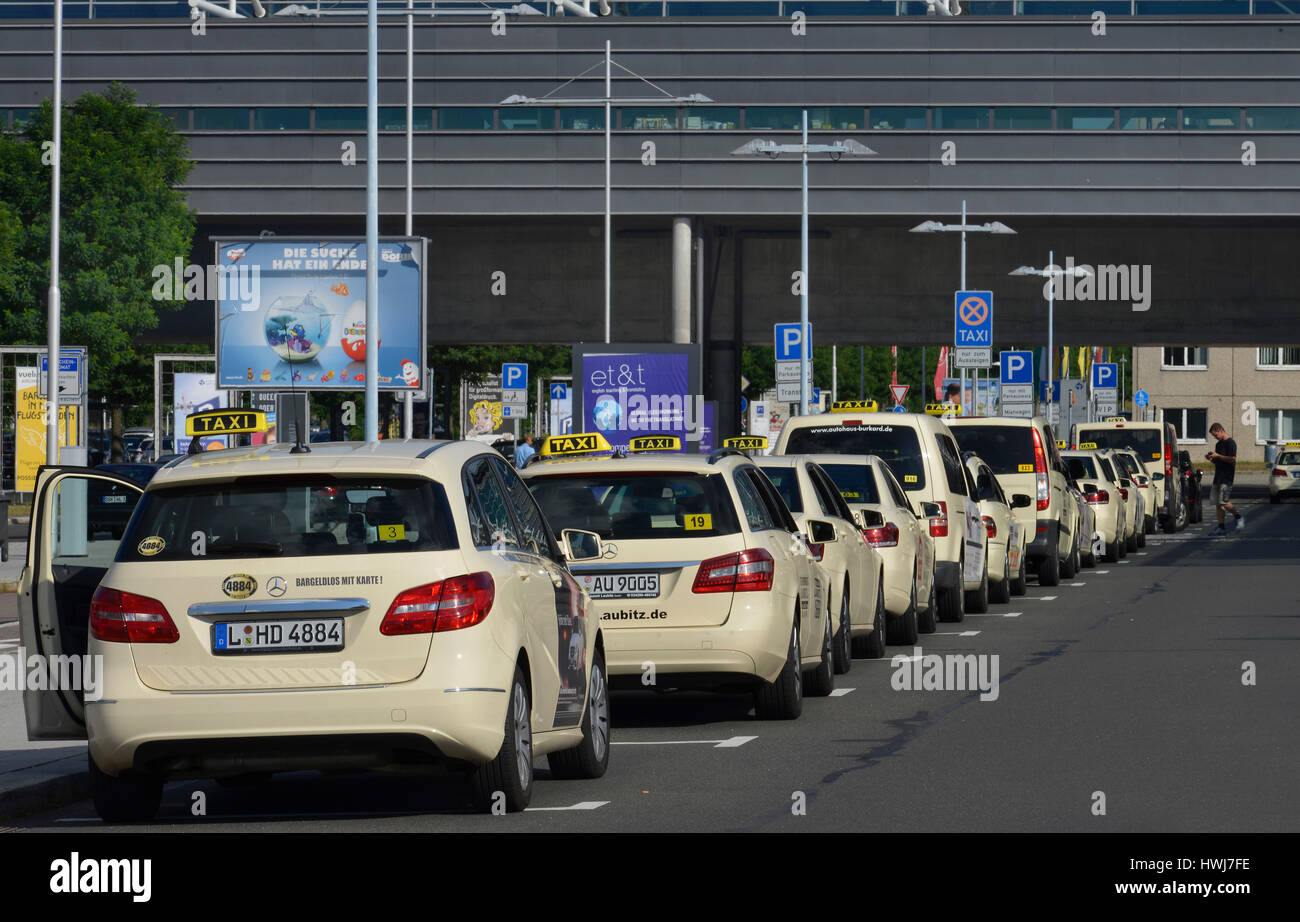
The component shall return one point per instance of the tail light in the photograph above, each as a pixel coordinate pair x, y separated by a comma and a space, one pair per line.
1169, 460
1040, 471
124, 617
447, 605
816, 550
1123, 493
1097, 498
882, 535
939, 523
747, 571
1278, 472
990, 526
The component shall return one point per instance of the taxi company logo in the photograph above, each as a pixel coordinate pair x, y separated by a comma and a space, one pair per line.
1104, 283
276, 587
75, 874
239, 585
151, 546
951, 672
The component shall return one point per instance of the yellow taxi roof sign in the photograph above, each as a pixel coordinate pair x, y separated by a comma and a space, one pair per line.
1292, 445
1116, 419
746, 442
1062, 443
1087, 446
580, 443
942, 409
225, 422
655, 443
852, 406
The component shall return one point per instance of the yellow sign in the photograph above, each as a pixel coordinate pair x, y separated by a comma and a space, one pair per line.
1087, 446
1292, 445
391, 532
698, 522
581, 444
1026, 469
29, 434
849, 406
655, 443
942, 409
909, 478
1116, 419
225, 422
746, 442
239, 585
1062, 444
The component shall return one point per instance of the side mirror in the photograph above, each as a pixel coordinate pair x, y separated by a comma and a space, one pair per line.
1021, 501
820, 531
1142, 481
931, 510
870, 518
1125, 482
1089, 488
1157, 476
581, 545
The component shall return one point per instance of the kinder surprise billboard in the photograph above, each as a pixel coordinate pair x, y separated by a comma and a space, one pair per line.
289, 306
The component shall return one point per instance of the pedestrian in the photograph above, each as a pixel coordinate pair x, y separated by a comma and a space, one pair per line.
1224, 457
524, 452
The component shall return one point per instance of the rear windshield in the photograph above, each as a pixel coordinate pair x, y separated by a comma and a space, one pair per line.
291, 516
1005, 449
1289, 457
1146, 442
856, 482
1128, 465
786, 481
897, 446
631, 505
1081, 468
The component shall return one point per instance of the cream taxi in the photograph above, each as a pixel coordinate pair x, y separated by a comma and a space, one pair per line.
1097, 480
1008, 538
704, 580
361, 605
1284, 475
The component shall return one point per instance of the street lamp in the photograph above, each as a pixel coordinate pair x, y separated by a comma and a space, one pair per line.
989, 227
773, 150
606, 100
1051, 272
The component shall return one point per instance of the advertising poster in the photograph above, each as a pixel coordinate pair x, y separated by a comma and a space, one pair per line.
482, 416
293, 307
631, 394
29, 434
192, 392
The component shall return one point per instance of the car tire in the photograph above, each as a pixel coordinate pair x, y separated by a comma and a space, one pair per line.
820, 680
1049, 570
952, 601
590, 758
904, 628
843, 651
1112, 551
129, 798
1020, 585
873, 645
1149, 526
1169, 525
1000, 592
1122, 545
1140, 538
783, 699
977, 600
927, 622
1070, 565
511, 772
1131, 543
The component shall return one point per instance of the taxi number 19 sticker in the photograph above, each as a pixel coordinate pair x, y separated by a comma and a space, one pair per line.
698, 522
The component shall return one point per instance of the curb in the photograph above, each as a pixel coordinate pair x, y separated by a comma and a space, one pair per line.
45, 794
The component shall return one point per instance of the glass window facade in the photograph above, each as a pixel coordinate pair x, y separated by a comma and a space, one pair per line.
657, 118
221, 119
1211, 119
960, 118
1093, 119
281, 119
582, 119
897, 118
1022, 118
467, 119
1148, 119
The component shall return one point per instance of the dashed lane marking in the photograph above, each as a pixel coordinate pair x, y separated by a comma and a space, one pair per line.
729, 743
956, 633
841, 692
995, 614
581, 805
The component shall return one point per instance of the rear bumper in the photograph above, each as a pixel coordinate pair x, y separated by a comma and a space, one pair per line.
1045, 540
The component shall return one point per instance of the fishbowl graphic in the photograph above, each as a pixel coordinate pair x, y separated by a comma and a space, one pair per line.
297, 331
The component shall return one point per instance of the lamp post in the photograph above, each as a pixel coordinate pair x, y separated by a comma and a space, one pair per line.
759, 147
1052, 272
989, 227
53, 307
607, 101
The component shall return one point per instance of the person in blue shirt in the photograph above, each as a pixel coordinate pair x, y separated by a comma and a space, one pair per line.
524, 452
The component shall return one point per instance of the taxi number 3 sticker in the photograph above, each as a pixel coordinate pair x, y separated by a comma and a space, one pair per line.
391, 532
699, 522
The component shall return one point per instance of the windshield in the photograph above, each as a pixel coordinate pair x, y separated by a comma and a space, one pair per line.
855, 482
786, 481
1005, 449
290, 516
1289, 457
1146, 442
623, 505
897, 446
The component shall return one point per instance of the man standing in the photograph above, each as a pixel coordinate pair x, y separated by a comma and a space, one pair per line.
526, 451
1224, 457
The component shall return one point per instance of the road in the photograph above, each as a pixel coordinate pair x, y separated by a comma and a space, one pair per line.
1126, 682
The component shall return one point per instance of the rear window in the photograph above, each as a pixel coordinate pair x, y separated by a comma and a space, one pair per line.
292, 516
786, 481
632, 506
855, 482
1081, 468
1146, 442
1289, 457
1005, 449
897, 446
1128, 465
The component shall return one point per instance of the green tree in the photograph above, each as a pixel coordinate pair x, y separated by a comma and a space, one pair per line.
122, 213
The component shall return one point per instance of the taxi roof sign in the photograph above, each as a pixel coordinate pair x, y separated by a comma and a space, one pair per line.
1291, 445
746, 442
1087, 446
942, 409
655, 443
1062, 443
1116, 419
850, 406
578, 444
225, 422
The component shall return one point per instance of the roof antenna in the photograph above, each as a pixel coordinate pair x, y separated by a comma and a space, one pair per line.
299, 448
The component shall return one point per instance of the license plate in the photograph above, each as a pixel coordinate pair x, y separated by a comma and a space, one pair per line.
115, 499
1295, 473
316, 635
621, 585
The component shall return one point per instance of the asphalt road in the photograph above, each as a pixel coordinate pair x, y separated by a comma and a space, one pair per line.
1129, 685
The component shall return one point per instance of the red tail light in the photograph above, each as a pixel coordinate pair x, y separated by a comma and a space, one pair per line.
124, 617
882, 535
939, 524
990, 526
1044, 497
1169, 460
1278, 472
1123, 493
816, 550
1099, 498
747, 571
447, 605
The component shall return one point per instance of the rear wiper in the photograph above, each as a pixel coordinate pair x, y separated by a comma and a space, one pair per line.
265, 547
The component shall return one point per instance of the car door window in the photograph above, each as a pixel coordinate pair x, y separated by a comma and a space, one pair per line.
829, 497
493, 503
952, 465
752, 506
776, 507
536, 535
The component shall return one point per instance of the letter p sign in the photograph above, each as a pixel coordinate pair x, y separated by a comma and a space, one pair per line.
1105, 374
514, 376
789, 344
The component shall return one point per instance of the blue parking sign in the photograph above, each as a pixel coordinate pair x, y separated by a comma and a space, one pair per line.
789, 343
1017, 367
514, 376
1105, 374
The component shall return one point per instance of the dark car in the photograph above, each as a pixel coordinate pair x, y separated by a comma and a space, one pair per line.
1191, 478
141, 473
109, 504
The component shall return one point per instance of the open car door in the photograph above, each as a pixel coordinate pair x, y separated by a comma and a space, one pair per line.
78, 518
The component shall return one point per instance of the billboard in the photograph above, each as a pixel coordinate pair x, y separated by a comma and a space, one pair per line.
292, 306
624, 390
192, 392
29, 428
482, 414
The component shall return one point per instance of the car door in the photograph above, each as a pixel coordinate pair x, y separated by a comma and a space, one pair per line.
813, 582
791, 575
71, 544
864, 561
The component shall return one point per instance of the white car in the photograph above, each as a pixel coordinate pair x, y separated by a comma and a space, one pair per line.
1008, 538
1094, 476
1284, 475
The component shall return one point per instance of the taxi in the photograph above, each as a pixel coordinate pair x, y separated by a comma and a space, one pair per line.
1008, 538
920, 450
347, 607
1099, 483
1118, 473
1284, 476
856, 570
1155, 444
704, 579
1146, 489
899, 532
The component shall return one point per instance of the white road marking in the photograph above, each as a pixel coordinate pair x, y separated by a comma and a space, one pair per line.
582, 805
841, 692
956, 633
1043, 598
1141, 553
1100, 571
993, 614
1124, 561
729, 743
1078, 584
734, 741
